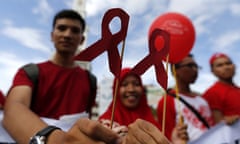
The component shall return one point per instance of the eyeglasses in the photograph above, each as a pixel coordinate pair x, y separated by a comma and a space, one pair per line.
189, 65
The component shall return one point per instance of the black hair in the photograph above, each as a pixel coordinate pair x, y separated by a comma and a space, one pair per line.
70, 14
178, 64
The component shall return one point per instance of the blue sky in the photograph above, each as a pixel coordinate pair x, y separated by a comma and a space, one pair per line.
25, 27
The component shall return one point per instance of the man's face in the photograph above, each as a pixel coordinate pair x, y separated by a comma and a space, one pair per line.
187, 70
67, 34
223, 68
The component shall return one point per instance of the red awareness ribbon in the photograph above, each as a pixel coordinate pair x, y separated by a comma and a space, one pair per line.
155, 57
108, 41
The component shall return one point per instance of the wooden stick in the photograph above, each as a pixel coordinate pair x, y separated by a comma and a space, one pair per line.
165, 101
180, 120
177, 92
116, 88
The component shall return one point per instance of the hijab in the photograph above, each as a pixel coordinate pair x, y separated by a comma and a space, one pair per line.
124, 115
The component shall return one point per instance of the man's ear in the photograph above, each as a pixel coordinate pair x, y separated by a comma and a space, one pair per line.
212, 69
51, 36
82, 40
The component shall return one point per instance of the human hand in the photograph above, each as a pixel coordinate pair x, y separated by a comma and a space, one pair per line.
143, 132
85, 131
231, 119
121, 130
179, 134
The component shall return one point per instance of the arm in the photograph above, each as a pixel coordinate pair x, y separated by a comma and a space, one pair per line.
20, 122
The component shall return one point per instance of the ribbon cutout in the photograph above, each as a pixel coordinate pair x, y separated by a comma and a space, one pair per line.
109, 41
155, 57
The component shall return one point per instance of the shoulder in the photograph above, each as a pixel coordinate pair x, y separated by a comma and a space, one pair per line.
216, 89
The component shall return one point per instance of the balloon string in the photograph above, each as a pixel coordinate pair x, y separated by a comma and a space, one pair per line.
165, 101
116, 86
180, 120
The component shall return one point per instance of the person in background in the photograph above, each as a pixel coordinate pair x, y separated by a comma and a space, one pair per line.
131, 104
194, 111
2, 100
223, 96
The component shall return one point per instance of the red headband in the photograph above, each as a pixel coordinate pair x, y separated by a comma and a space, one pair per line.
216, 56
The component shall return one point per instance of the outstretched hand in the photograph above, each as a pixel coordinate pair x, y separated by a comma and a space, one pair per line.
143, 132
85, 131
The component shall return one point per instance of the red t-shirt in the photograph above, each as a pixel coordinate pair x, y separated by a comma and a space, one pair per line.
224, 97
60, 90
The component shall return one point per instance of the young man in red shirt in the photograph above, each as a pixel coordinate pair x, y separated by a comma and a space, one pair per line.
223, 96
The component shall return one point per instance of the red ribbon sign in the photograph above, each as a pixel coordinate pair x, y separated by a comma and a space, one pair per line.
109, 41
155, 56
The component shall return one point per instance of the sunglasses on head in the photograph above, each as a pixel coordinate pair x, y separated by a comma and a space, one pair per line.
189, 65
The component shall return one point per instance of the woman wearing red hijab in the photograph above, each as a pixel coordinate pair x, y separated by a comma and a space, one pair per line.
131, 101
131, 104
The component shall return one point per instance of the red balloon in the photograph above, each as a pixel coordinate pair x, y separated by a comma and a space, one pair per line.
182, 34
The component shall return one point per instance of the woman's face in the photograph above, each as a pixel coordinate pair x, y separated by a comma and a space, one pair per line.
130, 91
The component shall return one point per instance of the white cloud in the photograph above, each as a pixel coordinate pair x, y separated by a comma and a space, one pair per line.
44, 10
93, 7
199, 24
202, 12
10, 59
204, 81
225, 41
31, 38
9, 64
68, 3
7, 22
132, 7
235, 9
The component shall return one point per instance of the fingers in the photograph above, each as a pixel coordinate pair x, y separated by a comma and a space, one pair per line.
143, 132
231, 119
182, 132
96, 131
121, 130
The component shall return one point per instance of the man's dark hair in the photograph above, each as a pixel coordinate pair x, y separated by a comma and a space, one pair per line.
178, 64
70, 14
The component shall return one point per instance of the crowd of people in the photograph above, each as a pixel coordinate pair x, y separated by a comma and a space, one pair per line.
63, 88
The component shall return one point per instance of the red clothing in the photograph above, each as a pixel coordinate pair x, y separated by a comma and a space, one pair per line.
2, 98
125, 116
175, 108
60, 90
224, 97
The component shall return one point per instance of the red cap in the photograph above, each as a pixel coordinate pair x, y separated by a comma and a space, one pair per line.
216, 56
